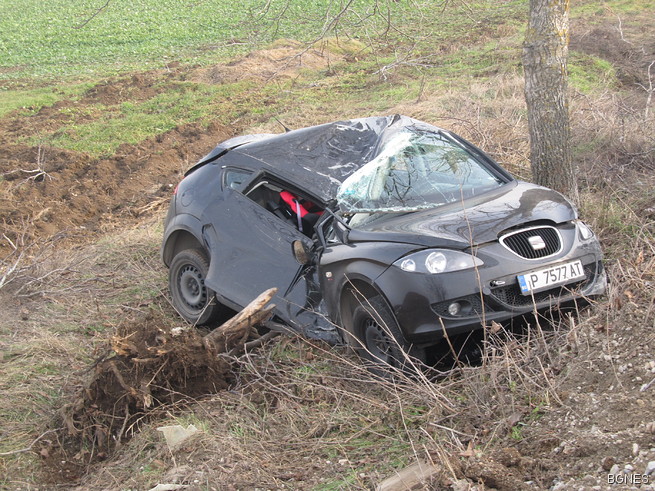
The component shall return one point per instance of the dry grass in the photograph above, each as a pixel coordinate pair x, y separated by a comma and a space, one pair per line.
59, 307
304, 415
307, 416
492, 115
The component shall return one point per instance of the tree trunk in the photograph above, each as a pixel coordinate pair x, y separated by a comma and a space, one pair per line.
544, 63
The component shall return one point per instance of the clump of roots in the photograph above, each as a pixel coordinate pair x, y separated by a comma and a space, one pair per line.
149, 367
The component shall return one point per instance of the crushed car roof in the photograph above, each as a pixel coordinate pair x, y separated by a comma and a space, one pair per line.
318, 158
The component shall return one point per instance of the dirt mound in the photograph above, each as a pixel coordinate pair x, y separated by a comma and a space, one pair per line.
138, 87
628, 46
146, 368
48, 191
150, 366
284, 60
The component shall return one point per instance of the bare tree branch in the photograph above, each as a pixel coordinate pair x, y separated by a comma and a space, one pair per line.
93, 16
649, 90
28, 449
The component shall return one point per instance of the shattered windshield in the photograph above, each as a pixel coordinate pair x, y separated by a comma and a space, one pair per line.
416, 171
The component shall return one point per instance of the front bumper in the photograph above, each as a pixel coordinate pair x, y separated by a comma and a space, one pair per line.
421, 302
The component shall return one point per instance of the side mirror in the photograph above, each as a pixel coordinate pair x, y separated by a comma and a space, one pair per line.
301, 252
341, 231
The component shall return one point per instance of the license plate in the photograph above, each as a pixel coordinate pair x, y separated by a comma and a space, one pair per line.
543, 279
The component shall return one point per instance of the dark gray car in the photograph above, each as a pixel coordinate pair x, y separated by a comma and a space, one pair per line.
384, 232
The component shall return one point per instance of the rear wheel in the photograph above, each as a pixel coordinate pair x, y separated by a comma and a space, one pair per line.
191, 298
379, 340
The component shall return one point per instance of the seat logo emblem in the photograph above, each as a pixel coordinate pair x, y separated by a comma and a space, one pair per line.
537, 243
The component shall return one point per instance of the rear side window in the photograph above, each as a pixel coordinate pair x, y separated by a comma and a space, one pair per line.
299, 212
235, 178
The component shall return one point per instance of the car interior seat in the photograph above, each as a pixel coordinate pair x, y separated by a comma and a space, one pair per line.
306, 213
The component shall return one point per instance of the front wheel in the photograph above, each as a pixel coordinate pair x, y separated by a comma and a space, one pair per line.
191, 298
380, 340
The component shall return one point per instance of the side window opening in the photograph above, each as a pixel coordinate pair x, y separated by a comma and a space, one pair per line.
299, 212
235, 178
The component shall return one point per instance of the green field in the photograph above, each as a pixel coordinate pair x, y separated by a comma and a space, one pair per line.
96, 38
72, 39
60, 50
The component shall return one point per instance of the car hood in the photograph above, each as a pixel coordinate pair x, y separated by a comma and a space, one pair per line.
474, 221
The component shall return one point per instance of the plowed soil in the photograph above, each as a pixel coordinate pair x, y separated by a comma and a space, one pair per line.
50, 191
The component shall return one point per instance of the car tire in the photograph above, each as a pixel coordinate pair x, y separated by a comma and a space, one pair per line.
379, 340
195, 302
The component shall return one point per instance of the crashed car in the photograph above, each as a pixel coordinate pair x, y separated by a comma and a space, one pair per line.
385, 232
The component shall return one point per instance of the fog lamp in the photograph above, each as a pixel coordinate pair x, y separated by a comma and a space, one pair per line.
585, 231
454, 308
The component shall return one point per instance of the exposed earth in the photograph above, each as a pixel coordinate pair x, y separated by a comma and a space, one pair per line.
596, 420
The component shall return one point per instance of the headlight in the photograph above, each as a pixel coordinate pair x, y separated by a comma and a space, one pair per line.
585, 231
437, 261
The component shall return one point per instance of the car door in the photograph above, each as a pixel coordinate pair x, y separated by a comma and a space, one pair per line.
251, 249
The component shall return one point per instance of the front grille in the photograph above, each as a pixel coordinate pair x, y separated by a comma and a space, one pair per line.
520, 242
511, 295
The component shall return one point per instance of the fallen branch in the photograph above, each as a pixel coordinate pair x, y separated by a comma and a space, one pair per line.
29, 449
244, 317
256, 343
235, 332
6, 273
92, 16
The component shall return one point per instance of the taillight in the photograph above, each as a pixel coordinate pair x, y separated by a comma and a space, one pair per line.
175, 190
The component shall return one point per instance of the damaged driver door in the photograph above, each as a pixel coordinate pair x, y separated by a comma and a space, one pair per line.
253, 251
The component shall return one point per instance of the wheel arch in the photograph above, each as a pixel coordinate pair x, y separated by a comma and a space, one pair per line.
178, 241
354, 292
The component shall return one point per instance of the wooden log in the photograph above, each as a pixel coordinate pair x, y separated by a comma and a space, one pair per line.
235, 331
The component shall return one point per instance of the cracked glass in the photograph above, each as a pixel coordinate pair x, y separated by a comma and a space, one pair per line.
416, 171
